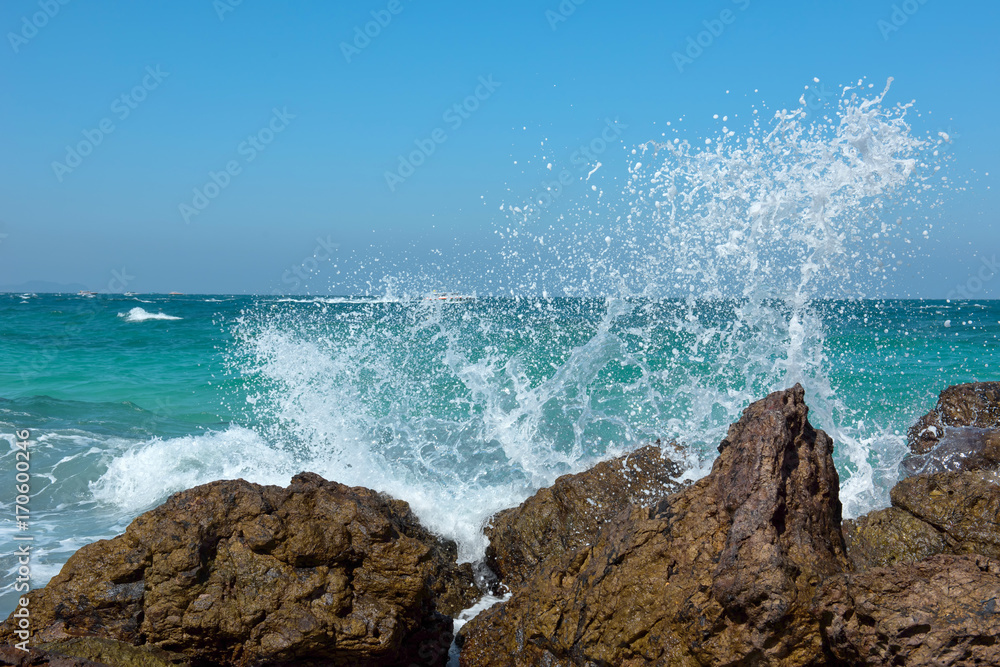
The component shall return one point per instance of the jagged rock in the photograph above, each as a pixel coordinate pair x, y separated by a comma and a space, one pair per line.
11, 656
943, 610
889, 537
567, 515
963, 506
723, 572
975, 404
115, 653
944, 513
237, 573
959, 448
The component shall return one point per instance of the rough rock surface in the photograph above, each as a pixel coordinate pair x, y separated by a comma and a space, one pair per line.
975, 405
11, 656
567, 515
723, 572
960, 448
115, 653
944, 610
944, 513
963, 506
889, 537
236, 573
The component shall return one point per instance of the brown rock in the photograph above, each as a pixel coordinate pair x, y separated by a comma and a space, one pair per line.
943, 610
889, 537
975, 404
963, 506
567, 515
11, 656
115, 653
721, 573
959, 448
236, 573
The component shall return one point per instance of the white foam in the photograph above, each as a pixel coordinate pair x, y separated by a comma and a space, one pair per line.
148, 473
462, 412
139, 314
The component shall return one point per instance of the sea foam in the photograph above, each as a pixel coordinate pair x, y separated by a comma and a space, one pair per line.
139, 314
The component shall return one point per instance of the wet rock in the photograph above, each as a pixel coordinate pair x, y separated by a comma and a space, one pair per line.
975, 405
115, 653
944, 513
963, 506
958, 448
944, 610
11, 656
723, 572
567, 515
889, 537
236, 573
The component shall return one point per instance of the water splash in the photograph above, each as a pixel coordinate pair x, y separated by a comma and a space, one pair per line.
699, 289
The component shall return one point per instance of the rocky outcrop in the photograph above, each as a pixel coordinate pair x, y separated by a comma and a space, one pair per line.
11, 656
944, 610
963, 506
960, 448
889, 537
945, 513
236, 573
723, 572
115, 653
962, 432
567, 515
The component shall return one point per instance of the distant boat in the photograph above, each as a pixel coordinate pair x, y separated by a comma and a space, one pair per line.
175, 294
448, 296
87, 293
129, 294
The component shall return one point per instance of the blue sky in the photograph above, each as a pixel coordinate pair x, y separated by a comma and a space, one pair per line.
201, 78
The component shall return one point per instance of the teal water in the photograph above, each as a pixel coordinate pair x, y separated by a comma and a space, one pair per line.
460, 408
772, 231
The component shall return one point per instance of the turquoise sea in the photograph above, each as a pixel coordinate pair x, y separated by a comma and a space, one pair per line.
714, 271
461, 408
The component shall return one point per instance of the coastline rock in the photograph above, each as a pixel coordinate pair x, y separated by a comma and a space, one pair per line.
11, 656
237, 573
944, 513
723, 572
964, 506
115, 653
976, 404
944, 610
889, 537
567, 515
959, 448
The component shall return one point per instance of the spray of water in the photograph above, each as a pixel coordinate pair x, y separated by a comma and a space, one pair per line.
697, 290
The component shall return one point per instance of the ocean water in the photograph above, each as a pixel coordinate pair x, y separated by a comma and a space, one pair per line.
460, 408
716, 271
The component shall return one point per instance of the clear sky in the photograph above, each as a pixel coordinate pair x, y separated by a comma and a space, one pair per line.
300, 130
